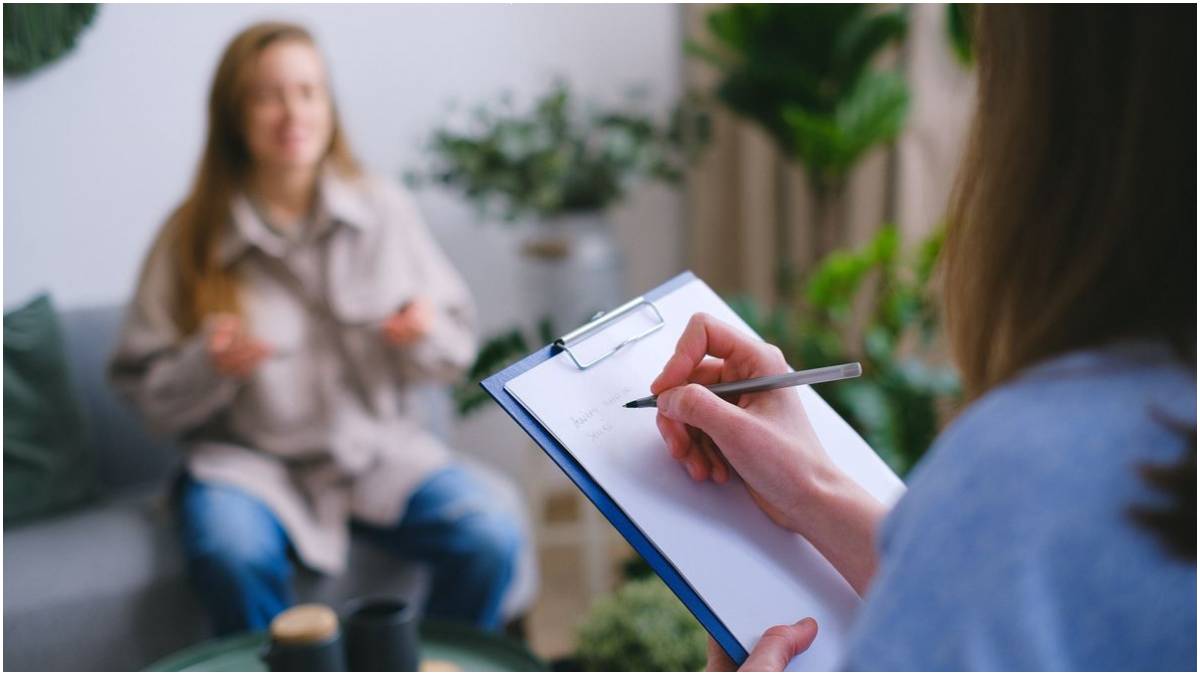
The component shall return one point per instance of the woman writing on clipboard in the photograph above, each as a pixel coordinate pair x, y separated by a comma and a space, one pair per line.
1052, 526
285, 310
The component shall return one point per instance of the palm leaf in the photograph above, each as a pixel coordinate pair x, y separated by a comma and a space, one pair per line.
864, 39
873, 113
959, 21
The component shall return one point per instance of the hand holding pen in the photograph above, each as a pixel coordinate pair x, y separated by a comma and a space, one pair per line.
764, 437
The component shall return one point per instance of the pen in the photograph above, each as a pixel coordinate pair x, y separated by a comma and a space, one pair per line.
729, 389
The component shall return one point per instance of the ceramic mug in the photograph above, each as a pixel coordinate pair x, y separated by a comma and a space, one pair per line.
381, 634
305, 638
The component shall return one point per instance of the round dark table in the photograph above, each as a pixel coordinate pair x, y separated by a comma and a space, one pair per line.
444, 646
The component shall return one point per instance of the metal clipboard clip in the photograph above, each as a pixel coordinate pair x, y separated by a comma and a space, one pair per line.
600, 321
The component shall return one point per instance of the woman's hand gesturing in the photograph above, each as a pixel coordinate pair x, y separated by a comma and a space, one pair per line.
234, 352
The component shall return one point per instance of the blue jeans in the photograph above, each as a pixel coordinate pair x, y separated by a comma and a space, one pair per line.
238, 553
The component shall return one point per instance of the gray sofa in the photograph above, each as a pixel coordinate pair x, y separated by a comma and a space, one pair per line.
103, 587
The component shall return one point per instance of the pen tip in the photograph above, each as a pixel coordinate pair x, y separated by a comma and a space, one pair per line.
631, 404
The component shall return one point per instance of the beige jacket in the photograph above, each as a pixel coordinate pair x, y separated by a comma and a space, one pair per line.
322, 431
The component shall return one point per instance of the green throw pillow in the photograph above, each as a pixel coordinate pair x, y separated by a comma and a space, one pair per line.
48, 465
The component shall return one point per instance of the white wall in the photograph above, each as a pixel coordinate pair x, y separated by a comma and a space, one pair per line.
100, 145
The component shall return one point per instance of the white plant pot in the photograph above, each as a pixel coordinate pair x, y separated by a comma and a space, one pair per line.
571, 267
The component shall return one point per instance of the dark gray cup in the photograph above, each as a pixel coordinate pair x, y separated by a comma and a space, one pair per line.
381, 634
326, 656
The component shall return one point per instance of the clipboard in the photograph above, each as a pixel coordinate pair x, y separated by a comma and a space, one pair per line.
494, 386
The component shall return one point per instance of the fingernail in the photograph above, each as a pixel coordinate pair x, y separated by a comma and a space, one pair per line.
807, 623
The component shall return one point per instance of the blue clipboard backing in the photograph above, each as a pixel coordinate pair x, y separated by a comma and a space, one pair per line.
494, 386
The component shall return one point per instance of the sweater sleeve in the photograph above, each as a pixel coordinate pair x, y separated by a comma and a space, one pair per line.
449, 348
166, 376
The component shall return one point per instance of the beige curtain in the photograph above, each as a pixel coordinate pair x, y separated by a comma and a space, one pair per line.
735, 193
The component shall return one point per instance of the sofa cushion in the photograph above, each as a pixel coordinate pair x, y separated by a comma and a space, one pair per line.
126, 454
111, 547
48, 465
98, 589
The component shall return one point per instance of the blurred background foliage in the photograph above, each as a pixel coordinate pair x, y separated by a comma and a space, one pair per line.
642, 627
497, 352
809, 75
873, 304
561, 156
36, 34
959, 20
820, 80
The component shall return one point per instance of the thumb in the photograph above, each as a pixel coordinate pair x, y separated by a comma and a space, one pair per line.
696, 406
779, 644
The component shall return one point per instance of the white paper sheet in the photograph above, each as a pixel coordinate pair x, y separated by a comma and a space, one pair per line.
750, 572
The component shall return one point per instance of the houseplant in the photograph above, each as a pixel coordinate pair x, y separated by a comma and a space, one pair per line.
557, 159
806, 75
554, 170
960, 21
874, 305
641, 627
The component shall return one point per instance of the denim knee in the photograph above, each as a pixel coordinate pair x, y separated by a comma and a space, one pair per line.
493, 540
233, 550
223, 527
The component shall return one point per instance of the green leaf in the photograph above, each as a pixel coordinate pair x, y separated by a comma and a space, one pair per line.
864, 38
960, 21
545, 329
871, 412
641, 627
873, 113
556, 159
794, 68
927, 254
884, 247
36, 34
836, 280
496, 353
705, 53
879, 343
897, 404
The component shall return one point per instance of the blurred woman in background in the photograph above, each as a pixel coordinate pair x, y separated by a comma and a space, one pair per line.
281, 316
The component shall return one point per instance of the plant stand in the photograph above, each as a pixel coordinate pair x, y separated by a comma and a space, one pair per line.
572, 268
563, 517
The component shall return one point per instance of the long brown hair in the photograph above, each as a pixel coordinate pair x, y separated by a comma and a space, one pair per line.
1073, 222
203, 285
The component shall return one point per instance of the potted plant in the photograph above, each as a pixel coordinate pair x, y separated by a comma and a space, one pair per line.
806, 74
642, 627
556, 169
872, 304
